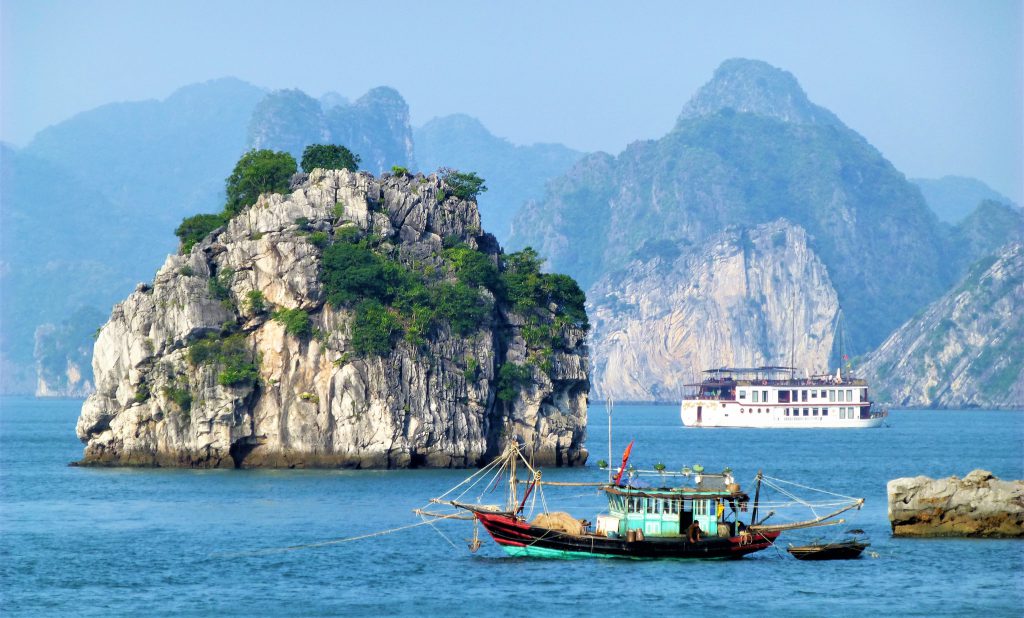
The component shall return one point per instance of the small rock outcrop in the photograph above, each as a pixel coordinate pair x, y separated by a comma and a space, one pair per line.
233, 355
979, 505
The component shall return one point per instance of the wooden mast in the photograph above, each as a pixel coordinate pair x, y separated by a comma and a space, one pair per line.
757, 496
609, 406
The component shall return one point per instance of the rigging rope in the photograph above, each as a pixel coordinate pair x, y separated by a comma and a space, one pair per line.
276, 550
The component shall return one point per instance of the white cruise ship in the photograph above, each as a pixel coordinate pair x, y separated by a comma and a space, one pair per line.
774, 397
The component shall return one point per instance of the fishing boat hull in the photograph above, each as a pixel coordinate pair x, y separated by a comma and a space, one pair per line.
832, 551
521, 539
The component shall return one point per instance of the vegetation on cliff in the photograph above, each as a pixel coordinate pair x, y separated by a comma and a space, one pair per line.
391, 300
355, 321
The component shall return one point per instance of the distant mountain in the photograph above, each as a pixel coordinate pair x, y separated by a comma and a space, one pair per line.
952, 198
745, 297
55, 232
748, 149
964, 350
989, 226
157, 160
90, 205
514, 174
376, 127
63, 354
756, 87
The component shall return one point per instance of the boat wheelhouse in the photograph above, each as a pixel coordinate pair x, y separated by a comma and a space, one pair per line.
774, 397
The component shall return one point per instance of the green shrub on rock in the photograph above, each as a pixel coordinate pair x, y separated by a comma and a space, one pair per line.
256, 301
464, 185
329, 157
195, 228
296, 322
257, 172
231, 354
512, 377
374, 328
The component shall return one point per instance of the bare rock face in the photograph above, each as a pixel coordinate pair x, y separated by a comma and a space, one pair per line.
964, 350
745, 298
315, 401
979, 505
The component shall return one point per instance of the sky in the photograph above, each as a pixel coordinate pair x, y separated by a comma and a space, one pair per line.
935, 85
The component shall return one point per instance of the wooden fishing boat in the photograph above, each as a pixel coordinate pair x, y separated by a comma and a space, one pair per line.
691, 514
843, 550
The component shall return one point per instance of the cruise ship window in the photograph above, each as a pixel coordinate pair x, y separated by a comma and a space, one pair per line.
824, 411
743, 394
814, 394
814, 412
756, 396
807, 411
803, 395
831, 395
764, 396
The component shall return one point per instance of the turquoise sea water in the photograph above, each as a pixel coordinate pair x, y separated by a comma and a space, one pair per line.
81, 541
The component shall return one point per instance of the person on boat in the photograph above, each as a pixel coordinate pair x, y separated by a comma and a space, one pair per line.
693, 532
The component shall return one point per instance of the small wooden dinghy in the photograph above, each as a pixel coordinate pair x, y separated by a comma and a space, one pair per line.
844, 550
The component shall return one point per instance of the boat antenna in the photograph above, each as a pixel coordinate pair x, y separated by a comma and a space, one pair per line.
842, 336
609, 405
792, 333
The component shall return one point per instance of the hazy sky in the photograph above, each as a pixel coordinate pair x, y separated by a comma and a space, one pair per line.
936, 86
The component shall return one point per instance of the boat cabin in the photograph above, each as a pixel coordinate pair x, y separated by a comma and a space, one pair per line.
670, 511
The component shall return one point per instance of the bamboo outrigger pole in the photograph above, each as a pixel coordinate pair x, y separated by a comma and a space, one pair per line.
810, 523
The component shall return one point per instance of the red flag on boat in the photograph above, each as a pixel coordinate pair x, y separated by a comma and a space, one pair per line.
625, 458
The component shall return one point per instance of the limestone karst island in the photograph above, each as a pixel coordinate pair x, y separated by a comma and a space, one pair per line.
345, 320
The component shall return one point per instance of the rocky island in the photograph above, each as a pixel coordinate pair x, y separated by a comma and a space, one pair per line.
979, 505
353, 321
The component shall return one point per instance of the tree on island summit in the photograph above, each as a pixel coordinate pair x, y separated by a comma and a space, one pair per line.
329, 157
464, 185
258, 171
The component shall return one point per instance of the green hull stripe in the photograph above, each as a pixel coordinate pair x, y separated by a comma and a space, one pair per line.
561, 554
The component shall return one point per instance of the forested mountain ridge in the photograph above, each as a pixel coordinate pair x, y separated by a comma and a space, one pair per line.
722, 166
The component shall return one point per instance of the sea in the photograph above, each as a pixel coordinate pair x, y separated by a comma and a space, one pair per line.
161, 542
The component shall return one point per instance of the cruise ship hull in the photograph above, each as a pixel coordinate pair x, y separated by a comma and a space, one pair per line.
730, 415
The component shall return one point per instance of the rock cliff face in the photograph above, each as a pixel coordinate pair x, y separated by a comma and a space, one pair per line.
744, 298
966, 349
748, 149
316, 401
978, 505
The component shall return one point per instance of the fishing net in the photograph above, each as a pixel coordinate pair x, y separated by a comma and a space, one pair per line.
560, 521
